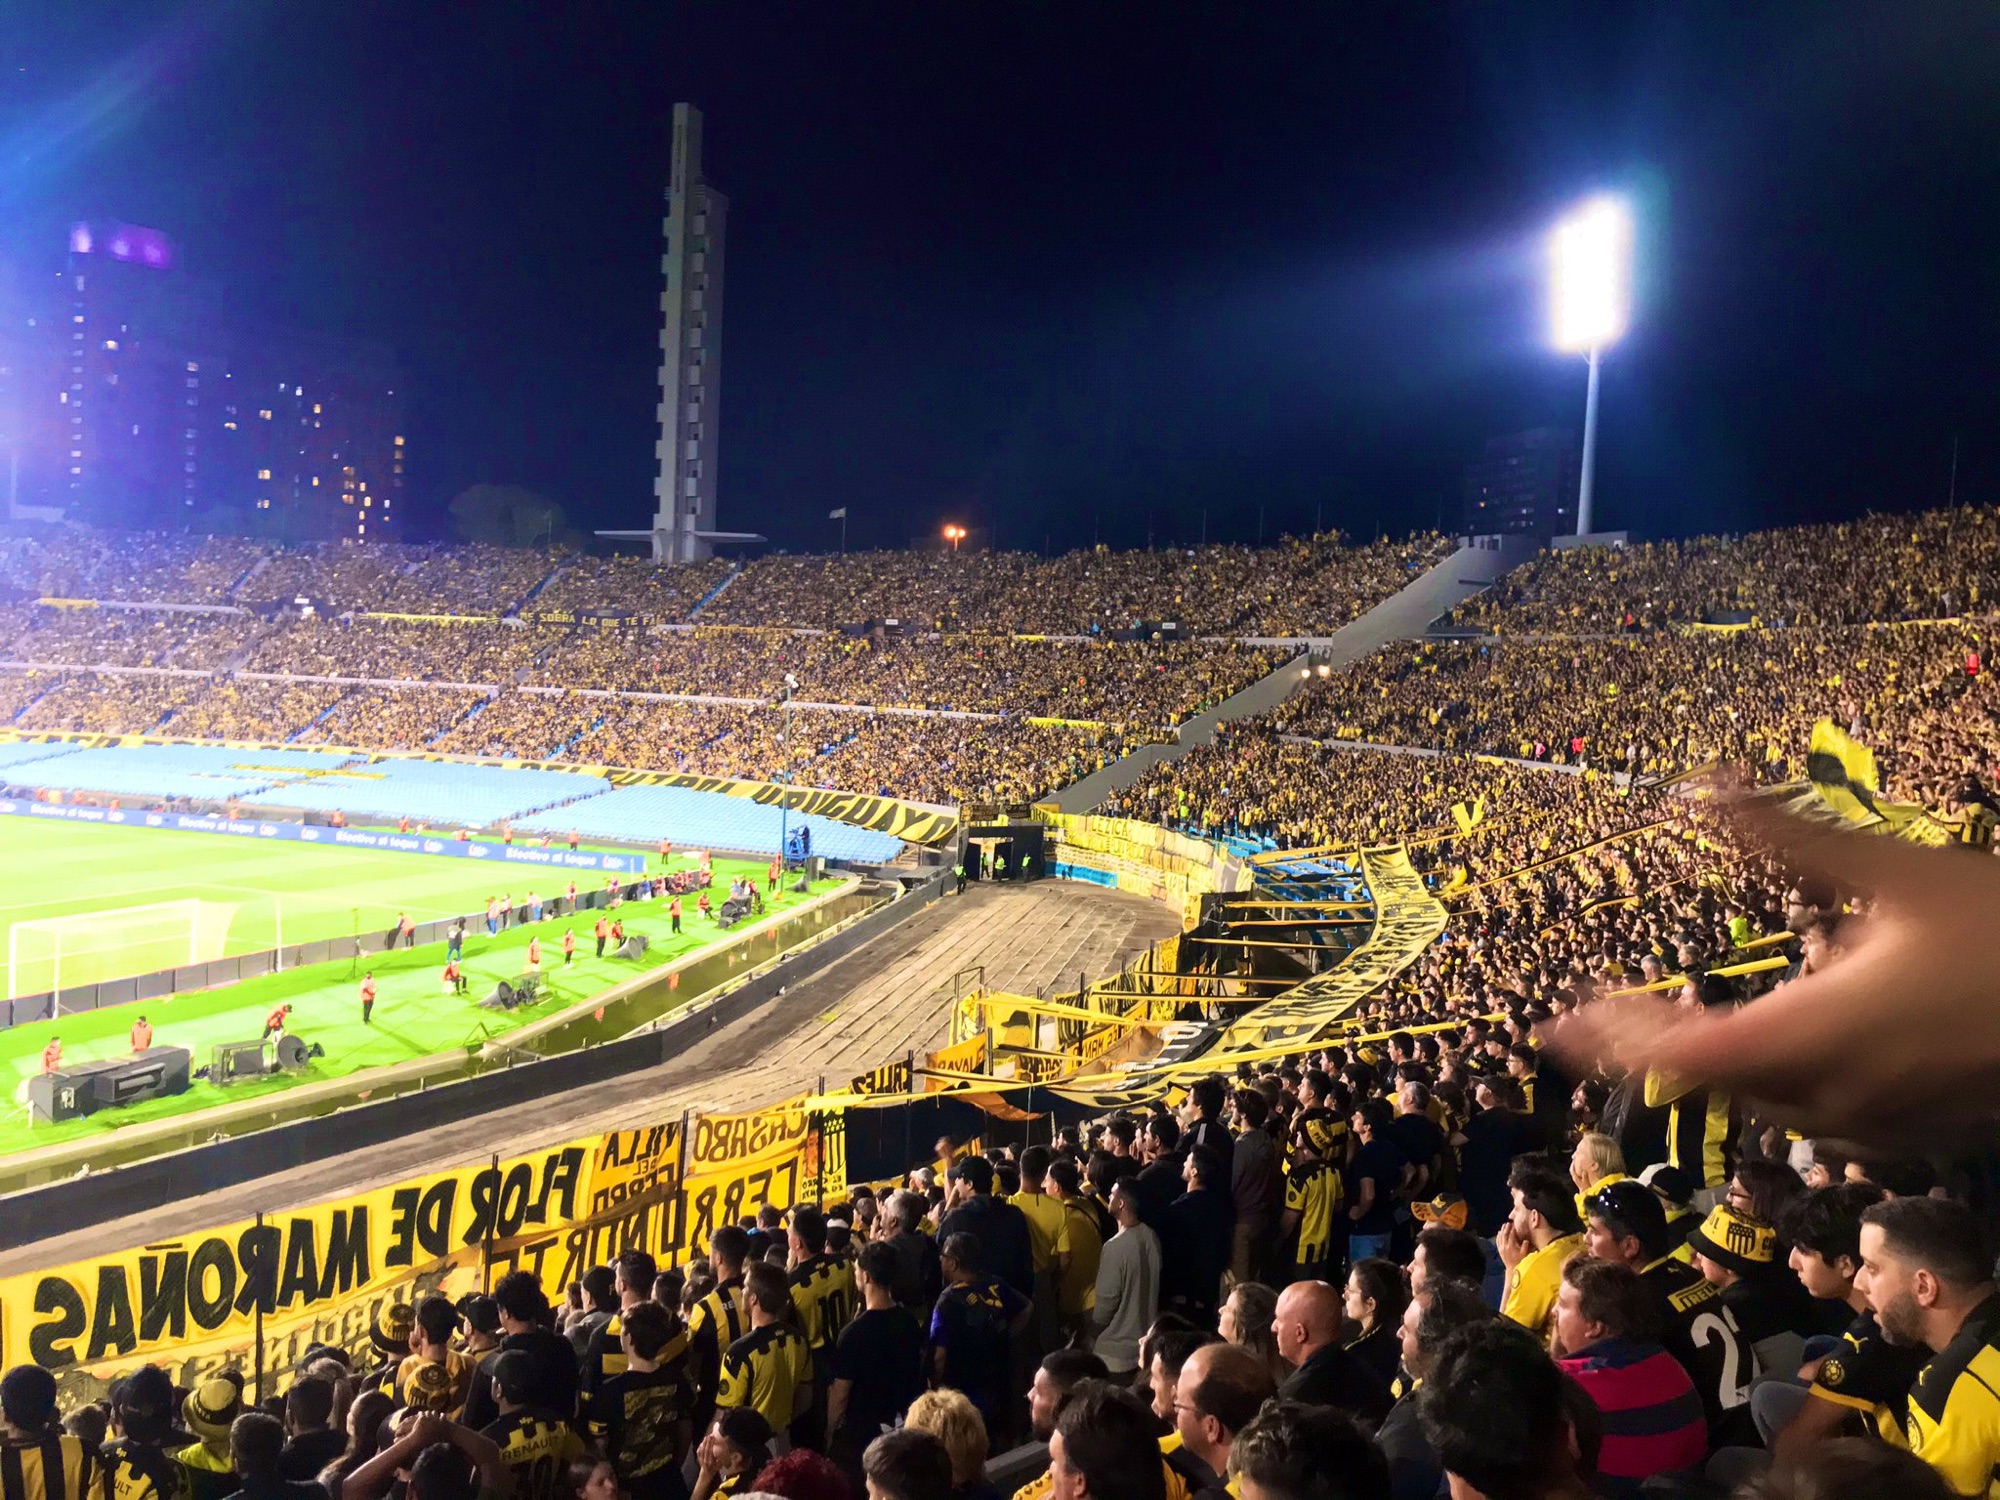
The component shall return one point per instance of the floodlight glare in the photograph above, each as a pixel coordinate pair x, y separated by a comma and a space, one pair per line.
1592, 297
1593, 276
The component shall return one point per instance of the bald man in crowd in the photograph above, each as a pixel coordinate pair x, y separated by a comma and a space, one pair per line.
1222, 1387
1307, 1327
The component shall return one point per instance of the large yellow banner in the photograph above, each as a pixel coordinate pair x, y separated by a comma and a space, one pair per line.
321, 1273
1408, 919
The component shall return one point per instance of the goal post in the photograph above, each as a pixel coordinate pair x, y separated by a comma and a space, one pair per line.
48, 955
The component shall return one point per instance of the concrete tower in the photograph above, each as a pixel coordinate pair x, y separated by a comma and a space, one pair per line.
690, 353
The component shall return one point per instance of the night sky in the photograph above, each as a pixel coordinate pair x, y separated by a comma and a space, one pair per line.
1075, 269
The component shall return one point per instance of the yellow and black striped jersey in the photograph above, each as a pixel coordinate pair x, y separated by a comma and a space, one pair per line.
1954, 1410
763, 1370
718, 1321
538, 1450
57, 1467
638, 1418
1313, 1191
823, 1294
604, 1355
139, 1471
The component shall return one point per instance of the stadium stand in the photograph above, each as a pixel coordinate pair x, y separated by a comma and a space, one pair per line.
1440, 1228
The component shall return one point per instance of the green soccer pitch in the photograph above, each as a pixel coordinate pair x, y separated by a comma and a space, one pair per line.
80, 868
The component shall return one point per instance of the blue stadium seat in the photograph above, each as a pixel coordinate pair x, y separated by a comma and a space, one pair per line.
440, 793
20, 752
708, 820
154, 771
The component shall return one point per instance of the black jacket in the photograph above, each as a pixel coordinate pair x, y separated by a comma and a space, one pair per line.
1002, 1230
1195, 1249
1333, 1377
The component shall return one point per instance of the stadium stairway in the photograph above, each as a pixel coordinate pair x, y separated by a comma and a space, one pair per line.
316, 720
569, 744
479, 706
529, 598
235, 590
1404, 615
54, 682
703, 602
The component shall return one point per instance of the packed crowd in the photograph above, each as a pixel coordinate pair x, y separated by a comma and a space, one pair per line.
1420, 1264
1918, 693
1930, 565
400, 650
1296, 587
631, 586
460, 580
1156, 683
1109, 695
75, 562
125, 637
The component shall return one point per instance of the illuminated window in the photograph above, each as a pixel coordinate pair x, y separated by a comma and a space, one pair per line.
264, 504
193, 367
315, 481
111, 343
399, 442
315, 408
229, 426
263, 473
265, 414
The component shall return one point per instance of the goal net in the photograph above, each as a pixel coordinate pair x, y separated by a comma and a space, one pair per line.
55, 954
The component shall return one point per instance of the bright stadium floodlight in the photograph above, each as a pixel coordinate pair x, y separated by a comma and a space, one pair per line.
1592, 297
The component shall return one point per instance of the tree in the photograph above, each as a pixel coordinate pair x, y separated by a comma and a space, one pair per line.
506, 515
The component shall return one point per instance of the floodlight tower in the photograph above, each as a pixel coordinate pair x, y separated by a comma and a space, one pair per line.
1592, 255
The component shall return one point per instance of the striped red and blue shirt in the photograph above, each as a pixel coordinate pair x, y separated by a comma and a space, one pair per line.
1653, 1419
